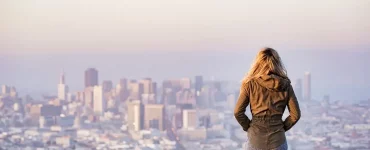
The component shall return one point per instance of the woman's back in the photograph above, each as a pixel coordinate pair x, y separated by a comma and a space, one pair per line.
268, 95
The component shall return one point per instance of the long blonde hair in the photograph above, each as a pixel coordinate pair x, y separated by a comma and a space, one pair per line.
267, 61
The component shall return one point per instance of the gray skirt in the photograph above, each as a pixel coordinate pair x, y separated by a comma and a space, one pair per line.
248, 146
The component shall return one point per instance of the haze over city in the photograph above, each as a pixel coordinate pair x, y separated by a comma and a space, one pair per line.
166, 74
184, 38
332, 73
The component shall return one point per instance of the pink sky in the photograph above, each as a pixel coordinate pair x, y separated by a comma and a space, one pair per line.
125, 25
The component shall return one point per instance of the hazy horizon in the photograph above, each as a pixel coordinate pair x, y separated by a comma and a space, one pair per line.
173, 39
332, 73
40, 40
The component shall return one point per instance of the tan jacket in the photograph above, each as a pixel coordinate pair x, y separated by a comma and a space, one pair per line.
268, 97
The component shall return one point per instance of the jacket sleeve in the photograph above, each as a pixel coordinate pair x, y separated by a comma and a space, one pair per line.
240, 107
294, 111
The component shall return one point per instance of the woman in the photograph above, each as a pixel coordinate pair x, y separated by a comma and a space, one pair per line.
268, 90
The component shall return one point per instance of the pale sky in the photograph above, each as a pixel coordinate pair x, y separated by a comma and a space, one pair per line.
59, 26
215, 38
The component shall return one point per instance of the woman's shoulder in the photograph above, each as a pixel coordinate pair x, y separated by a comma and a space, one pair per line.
249, 83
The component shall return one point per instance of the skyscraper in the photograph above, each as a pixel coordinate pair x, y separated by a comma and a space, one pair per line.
135, 113
123, 83
186, 96
154, 88
149, 87
122, 90
62, 88
91, 77
204, 98
298, 89
89, 96
190, 118
13, 92
198, 85
149, 91
136, 89
107, 85
154, 116
168, 97
185, 83
5, 89
99, 103
307, 86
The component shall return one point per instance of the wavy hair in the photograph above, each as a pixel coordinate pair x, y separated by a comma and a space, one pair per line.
266, 62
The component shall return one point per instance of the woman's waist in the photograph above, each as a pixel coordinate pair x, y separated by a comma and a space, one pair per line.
267, 124
277, 117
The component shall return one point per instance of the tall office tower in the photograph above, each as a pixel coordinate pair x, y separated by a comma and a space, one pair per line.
186, 96
178, 118
147, 85
185, 83
154, 88
135, 115
91, 77
204, 98
13, 92
136, 89
307, 86
121, 93
62, 88
198, 86
176, 85
298, 89
148, 99
168, 97
166, 89
89, 97
123, 83
5, 89
154, 116
107, 85
122, 90
149, 91
99, 104
190, 118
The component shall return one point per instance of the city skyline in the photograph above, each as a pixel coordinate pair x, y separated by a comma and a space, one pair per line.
219, 39
125, 115
332, 76
167, 74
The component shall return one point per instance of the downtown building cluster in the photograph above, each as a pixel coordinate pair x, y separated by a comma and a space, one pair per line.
175, 110
184, 113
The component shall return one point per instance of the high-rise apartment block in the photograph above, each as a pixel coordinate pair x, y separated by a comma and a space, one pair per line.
135, 112
62, 88
190, 118
91, 77
154, 116
99, 104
